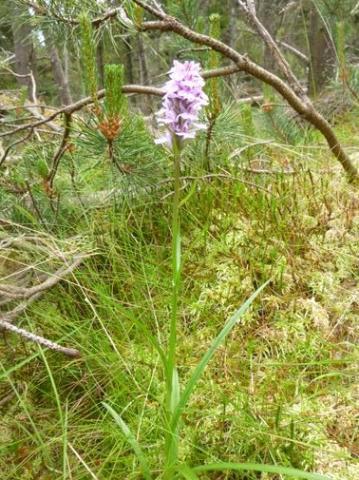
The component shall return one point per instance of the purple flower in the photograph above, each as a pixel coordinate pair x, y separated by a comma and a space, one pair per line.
182, 102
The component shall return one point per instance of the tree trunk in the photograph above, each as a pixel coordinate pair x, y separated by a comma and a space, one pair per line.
25, 60
60, 77
144, 78
100, 63
128, 59
230, 35
322, 53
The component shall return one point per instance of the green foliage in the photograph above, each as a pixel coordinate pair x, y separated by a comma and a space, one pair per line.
281, 124
42, 168
138, 15
186, 10
261, 398
247, 120
88, 56
22, 96
268, 392
115, 101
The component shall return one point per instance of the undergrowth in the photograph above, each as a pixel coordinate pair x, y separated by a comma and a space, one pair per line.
281, 390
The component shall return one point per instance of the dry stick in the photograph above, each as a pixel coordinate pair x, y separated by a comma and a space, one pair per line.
250, 12
34, 203
61, 150
7, 399
302, 56
51, 280
74, 107
70, 352
33, 94
32, 78
306, 110
355, 9
31, 294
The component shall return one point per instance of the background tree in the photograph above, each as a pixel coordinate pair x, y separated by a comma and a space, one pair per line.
24, 49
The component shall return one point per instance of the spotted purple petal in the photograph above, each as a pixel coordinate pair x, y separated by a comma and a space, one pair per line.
182, 102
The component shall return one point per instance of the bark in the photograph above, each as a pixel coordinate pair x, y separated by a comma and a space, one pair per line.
60, 76
143, 72
25, 60
100, 63
230, 35
128, 59
322, 53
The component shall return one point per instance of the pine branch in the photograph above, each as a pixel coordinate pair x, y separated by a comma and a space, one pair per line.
127, 89
296, 100
96, 22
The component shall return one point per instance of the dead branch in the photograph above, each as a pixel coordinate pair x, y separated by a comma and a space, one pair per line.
355, 9
12, 292
248, 8
303, 108
24, 285
295, 52
70, 352
60, 151
33, 107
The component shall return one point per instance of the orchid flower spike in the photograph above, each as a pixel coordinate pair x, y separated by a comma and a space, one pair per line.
182, 103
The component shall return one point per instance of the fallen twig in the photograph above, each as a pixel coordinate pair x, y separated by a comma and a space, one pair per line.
60, 151
27, 294
70, 352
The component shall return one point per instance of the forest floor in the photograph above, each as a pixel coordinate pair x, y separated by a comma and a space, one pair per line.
282, 389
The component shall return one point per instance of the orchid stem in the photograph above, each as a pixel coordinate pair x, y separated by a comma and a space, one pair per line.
171, 444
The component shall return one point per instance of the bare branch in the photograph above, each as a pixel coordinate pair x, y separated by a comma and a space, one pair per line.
60, 151
270, 42
74, 107
355, 9
70, 352
303, 108
24, 293
18, 285
251, 6
295, 52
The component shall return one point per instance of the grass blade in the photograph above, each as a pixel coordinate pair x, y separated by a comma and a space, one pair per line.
21, 364
254, 467
192, 382
131, 439
188, 473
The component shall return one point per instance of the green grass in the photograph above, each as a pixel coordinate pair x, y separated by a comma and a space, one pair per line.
280, 390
